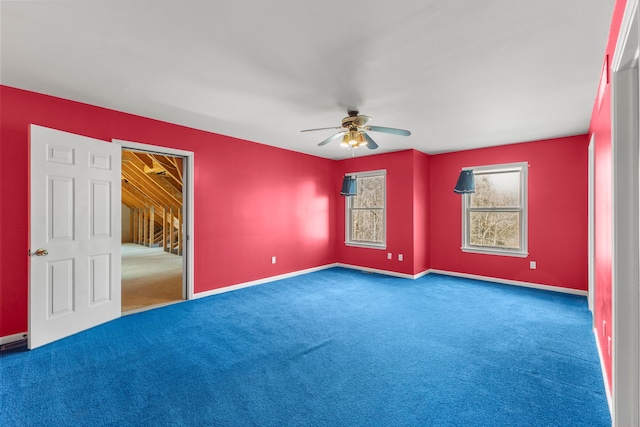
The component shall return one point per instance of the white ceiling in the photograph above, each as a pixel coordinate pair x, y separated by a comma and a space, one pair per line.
459, 74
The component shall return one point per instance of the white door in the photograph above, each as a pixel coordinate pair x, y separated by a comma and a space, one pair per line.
74, 272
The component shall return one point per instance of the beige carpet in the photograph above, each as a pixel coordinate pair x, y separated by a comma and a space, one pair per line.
150, 277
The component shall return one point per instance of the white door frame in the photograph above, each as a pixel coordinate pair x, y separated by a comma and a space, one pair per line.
625, 97
592, 228
187, 203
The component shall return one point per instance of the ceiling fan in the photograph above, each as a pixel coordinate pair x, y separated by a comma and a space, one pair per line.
355, 134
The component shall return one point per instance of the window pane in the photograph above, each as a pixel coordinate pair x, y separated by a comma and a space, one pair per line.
370, 192
367, 225
501, 189
497, 229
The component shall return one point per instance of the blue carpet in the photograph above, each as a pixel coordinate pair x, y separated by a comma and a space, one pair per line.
332, 348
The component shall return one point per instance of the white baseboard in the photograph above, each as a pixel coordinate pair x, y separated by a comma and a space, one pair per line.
385, 272
388, 273
13, 338
299, 272
513, 282
604, 372
424, 273
261, 281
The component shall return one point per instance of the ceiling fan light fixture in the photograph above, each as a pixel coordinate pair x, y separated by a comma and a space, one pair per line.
353, 138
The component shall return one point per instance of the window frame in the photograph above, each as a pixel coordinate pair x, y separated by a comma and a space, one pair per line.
522, 251
348, 241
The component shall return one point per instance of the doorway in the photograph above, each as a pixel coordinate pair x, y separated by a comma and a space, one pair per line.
152, 224
156, 249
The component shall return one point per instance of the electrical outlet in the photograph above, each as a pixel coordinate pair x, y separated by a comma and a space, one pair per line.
389, 255
400, 257
273, 260
532, 265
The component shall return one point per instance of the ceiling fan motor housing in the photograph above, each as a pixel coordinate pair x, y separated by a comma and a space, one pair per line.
348, 122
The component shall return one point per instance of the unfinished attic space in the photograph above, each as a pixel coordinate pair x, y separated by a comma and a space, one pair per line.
152, 224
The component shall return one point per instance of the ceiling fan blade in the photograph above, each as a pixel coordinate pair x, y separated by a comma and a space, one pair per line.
361, 120
389, 130
311, 130
331, 138
371, 144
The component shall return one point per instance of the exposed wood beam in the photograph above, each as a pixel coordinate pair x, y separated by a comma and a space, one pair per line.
172, 172
149, 186
169, 179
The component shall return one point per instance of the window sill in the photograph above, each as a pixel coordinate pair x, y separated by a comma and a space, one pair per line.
484, 251
366, 245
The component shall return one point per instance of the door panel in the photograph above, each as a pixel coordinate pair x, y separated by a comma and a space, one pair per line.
74, 280
60, 292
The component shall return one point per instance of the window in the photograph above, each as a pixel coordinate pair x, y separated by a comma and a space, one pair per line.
366, 212
495, 216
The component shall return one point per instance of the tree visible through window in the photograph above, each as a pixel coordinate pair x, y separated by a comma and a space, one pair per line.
365, 222
495, 215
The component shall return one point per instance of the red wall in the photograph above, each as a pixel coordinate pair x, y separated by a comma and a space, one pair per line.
252, 201
557, 210
421, 219
600, 129
407, 202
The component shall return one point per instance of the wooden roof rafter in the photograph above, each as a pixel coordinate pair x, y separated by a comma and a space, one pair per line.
170, 164
164, 166
153, 181
149, 186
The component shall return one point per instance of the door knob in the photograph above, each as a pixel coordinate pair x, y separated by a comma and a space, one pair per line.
41, 252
